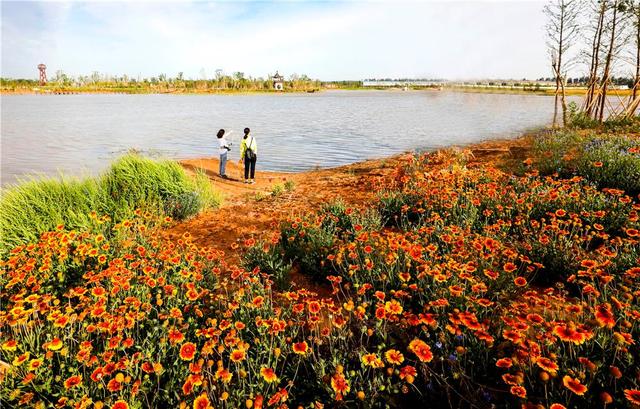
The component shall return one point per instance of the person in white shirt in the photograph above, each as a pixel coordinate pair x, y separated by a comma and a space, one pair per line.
224, 148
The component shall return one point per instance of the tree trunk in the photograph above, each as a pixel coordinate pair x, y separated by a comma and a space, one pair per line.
607, 65
595, 61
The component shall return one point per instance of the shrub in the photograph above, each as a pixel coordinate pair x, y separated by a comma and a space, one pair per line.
611, 161
270, 260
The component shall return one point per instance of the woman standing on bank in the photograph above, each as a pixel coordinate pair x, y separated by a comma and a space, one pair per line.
249, 154
223, 149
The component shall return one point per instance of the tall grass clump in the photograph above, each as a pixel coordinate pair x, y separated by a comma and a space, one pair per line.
162, 187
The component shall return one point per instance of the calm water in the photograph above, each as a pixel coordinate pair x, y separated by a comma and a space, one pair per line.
82, 134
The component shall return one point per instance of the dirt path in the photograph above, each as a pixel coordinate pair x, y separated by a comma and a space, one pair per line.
252, 211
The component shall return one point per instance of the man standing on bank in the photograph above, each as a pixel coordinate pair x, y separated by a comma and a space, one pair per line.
249, 154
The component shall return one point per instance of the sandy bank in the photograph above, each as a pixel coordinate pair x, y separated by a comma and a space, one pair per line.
251, 211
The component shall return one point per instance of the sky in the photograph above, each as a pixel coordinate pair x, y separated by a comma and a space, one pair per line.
324, 40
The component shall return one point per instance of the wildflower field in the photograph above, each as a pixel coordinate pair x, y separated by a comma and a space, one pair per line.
461, 285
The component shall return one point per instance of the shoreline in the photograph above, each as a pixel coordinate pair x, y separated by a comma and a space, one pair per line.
210, 164
235, 190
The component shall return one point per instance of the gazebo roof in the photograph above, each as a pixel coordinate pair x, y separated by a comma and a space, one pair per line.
278, 76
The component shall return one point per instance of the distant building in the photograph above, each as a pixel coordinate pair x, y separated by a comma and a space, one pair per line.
278, 82
400, 83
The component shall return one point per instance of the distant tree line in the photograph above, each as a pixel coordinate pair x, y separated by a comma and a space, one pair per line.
584, 80
163, 83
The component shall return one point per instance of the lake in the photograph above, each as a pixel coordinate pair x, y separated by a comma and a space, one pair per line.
82, 134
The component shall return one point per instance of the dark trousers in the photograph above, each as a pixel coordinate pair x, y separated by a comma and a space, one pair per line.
250, 165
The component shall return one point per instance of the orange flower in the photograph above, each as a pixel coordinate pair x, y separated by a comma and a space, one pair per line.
509, 267
314, 307
175, 336
393, 307
598, 164
394, 357
561, 213
268, 374
340, 385
56, 344
557, 406
300, 348
568, 334
20, 359
615, 372
547, 364
606, 398
372, 360
10, 345
421, 349
237, 355
202, 402
114, 385
408, 373
35, 364
604, 316
574, 385
73, 381
120, 404
224, 375
520, 281
519, 391
504, 363
188, 351
511, 379
632, 395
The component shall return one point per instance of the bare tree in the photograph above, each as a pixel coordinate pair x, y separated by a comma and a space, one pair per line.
631, 106
611, 51
599, 11
562, 31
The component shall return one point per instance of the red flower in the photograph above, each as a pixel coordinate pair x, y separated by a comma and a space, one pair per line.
202, 402
268, 374
340, 385
519, 391
520, 281
547, 364
188, 351
574, 385
408, 373
73, 381
504, 363
569, 334
632, 395
120, 404
604, 316
300, 348
421, 349
175, 336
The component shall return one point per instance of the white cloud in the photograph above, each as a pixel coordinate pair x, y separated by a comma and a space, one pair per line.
323, 40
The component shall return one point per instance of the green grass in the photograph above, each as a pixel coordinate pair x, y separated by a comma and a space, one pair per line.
133, 182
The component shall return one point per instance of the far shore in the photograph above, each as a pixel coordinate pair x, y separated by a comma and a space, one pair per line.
451, 88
